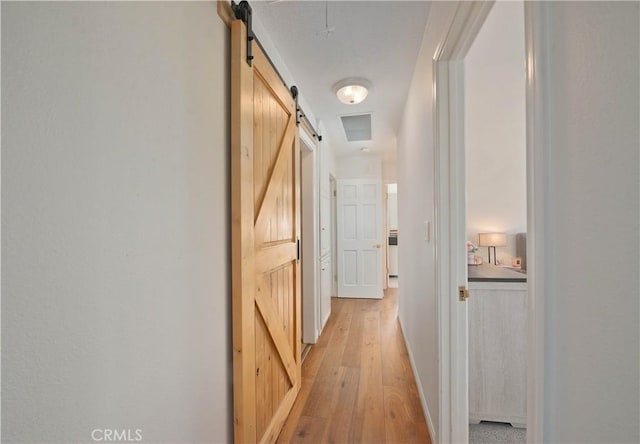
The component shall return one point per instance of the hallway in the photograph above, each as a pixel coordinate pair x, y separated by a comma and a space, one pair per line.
357, 383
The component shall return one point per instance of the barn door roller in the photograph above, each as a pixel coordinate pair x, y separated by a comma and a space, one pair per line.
243, 12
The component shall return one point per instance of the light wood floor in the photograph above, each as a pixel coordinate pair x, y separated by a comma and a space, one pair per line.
357, 383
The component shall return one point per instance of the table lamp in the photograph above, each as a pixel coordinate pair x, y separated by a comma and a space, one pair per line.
492, 240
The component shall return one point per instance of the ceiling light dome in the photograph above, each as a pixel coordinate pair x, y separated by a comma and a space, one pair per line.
352, 91
352, 94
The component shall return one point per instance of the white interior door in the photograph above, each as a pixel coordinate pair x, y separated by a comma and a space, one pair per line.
359, 203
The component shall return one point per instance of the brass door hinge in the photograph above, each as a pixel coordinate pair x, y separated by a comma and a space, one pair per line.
463, 293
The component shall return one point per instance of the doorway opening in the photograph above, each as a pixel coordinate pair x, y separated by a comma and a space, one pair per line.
496, 225
451, 230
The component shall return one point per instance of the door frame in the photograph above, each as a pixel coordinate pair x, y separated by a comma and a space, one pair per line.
385, 239
311, 313
450, 235
333, 186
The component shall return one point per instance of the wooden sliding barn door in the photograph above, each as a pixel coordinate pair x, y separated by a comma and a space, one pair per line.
265, 229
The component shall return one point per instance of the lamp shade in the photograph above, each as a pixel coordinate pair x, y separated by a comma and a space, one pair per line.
492, 239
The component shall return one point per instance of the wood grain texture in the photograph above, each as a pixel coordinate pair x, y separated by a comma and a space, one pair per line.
370, 405
357, 383
265, 226
242, 239
308, 429
224, 12
343, 403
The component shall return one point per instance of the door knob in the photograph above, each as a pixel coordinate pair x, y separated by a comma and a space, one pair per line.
377, 245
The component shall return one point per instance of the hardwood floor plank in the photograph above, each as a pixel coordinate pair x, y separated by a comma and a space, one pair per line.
310, 368
344, 402
318, 404
309, 430
370, 405
358, 386
313, 360
403, 424
396, 367
352, 351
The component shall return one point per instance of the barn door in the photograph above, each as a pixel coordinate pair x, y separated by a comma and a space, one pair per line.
265, 229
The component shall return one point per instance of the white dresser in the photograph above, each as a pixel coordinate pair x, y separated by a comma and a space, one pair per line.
497, 346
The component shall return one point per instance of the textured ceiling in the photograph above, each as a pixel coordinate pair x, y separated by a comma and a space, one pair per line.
374, 40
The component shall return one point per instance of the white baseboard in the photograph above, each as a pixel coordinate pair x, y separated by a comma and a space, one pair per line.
423, 399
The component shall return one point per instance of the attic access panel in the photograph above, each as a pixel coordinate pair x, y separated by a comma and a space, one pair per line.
357, 128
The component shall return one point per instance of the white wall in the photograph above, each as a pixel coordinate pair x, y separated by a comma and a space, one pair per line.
389, 171
359, 166
592, 391
495, 136
115, 214
415, 169
328, 165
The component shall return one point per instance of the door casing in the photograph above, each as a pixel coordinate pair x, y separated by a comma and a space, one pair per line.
450, 220
310, 246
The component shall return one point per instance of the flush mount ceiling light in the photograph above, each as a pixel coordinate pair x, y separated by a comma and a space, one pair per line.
352, 91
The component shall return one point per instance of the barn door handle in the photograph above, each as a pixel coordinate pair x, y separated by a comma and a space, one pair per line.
298, 249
